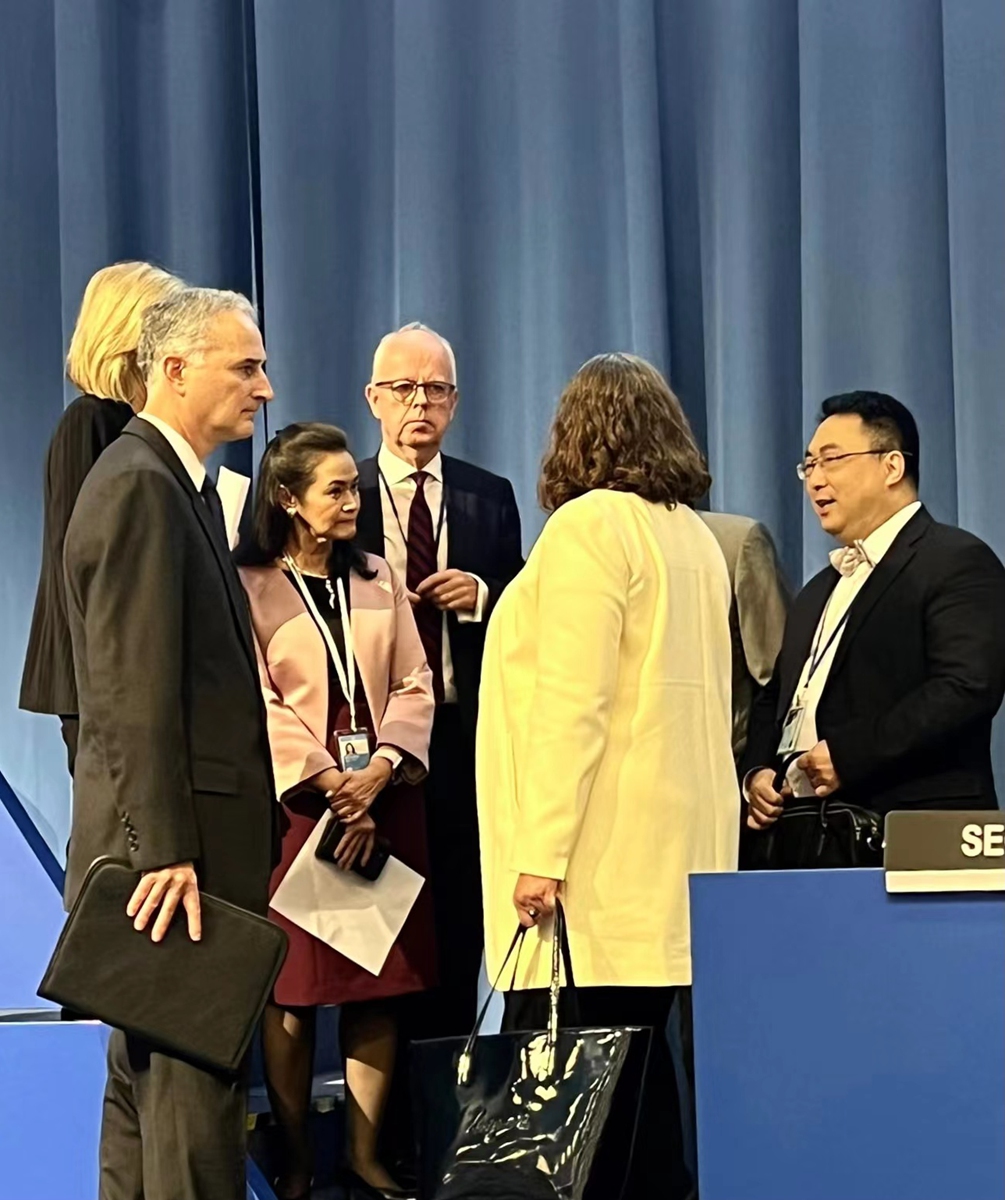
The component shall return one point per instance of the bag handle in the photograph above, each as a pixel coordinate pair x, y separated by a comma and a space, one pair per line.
560, 957
783, 768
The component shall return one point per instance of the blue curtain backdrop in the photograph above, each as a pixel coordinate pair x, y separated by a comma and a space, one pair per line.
772, 199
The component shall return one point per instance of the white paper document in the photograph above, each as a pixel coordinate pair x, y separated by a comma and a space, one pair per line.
355, 917
232, 488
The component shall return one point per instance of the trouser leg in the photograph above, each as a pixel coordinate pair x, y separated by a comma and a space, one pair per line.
121, 1150
171, 1130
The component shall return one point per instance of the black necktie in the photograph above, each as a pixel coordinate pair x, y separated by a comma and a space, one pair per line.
212, 499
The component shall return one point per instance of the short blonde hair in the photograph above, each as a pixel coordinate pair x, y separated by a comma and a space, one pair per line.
102, 356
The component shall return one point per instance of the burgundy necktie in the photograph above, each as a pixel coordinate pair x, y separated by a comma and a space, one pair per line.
422, 564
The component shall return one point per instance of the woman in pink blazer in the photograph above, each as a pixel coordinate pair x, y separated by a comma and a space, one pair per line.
301, 569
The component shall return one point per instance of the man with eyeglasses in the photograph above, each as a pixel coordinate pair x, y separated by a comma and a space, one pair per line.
893, 662
451, 531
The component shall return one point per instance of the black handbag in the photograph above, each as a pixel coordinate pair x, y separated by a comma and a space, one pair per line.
814, 832
529, 1116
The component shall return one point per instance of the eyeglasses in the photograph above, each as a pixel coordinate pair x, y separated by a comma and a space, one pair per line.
436, 391
806, 468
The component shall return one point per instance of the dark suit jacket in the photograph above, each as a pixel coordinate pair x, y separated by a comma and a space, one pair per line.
173, 759
483, 538
88, 426
918, 675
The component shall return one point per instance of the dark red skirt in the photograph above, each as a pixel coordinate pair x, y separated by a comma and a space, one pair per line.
313, 972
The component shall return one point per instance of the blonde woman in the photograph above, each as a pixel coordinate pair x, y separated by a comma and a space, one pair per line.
102, 364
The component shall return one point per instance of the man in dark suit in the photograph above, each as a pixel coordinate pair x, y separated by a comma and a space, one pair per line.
893, 662
173, 770
452, 532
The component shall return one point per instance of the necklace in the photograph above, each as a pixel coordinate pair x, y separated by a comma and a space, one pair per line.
304, 570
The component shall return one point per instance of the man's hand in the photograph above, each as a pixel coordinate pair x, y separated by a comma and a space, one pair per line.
451, 590
357, 842
764, 804
359, 789
534, 898
819, 770
165, 889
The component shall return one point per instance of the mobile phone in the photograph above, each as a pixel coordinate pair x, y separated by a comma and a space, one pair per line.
332, 836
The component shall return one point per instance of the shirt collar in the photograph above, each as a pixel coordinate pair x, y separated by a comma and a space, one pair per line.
189, 459
846, 560
396, 470
880, 540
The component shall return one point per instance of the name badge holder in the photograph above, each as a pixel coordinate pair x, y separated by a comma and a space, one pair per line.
352, 745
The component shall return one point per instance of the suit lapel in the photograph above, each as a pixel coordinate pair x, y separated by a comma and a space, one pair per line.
887, 570
462, 520
235, 592
370, 525
804, 621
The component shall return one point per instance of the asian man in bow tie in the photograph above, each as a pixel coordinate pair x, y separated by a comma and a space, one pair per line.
893, 661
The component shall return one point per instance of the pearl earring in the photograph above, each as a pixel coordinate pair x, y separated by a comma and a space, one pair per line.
291, 512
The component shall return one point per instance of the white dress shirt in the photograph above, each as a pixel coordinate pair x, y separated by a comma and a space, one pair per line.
189, 459
826, 641
398, 475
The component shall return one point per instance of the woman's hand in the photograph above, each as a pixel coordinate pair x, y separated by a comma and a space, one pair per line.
357, 843
358, 790
328, 781
534, 899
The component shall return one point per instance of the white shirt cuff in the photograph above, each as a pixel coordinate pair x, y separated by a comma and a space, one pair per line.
393, 756
478, 612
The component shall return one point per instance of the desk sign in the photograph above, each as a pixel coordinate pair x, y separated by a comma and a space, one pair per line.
928, 851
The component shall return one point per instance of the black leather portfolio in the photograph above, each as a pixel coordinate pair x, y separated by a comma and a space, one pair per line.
197, 1000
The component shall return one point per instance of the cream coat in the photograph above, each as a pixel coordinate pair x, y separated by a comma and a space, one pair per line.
293, 667
604, 755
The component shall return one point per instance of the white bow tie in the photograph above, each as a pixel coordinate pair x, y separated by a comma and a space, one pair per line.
847, 559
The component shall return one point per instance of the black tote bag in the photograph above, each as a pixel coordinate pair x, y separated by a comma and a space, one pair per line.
529, 1116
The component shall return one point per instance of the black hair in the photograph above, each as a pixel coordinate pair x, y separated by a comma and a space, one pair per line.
889, 422
290, 461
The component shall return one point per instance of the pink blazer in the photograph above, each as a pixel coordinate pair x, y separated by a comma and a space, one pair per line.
293, 666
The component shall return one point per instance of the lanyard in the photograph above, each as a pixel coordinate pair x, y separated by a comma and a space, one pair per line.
817, 655
346, 672
401, 528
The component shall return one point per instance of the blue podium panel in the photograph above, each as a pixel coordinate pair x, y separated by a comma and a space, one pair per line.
31, 912
849, 1045
50, 1108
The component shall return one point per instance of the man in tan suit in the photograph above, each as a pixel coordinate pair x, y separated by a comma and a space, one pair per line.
760, 604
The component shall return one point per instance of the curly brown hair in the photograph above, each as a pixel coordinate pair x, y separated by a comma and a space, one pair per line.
620, 427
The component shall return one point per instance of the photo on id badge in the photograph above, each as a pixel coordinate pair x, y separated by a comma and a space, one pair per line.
353, 749
791, 730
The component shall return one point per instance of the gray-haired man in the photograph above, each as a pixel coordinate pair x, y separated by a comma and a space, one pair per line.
173, 769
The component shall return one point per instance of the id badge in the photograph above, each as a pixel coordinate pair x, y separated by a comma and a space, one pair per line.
791, 730
352, 749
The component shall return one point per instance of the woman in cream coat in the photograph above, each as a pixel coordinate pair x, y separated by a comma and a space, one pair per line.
605, 770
